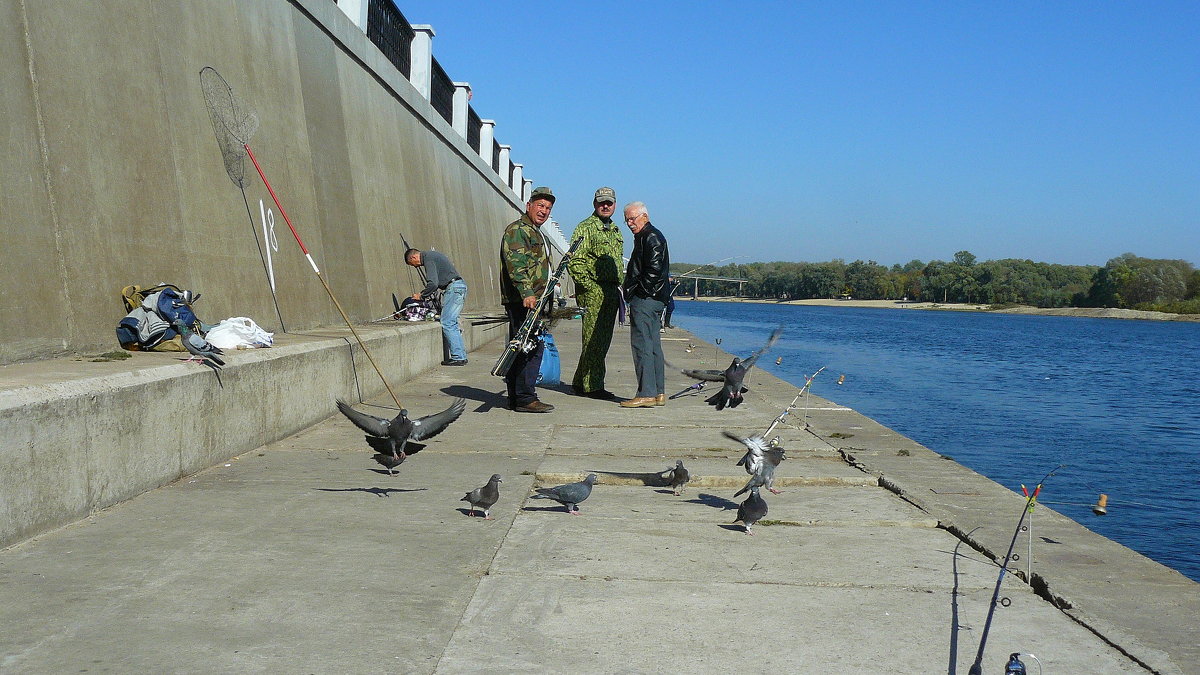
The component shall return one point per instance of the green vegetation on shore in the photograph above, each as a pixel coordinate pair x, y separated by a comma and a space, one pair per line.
1125, 282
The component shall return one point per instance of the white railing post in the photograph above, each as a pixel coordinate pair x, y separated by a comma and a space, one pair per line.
462, 102
526, 190
420, 71
504, 164
487, 136
356, 10
518, 178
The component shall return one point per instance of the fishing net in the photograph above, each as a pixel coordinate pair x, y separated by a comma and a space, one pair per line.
233, 123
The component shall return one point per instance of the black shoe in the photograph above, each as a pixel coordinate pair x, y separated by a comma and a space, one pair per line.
602, 395
534, 406
454, 362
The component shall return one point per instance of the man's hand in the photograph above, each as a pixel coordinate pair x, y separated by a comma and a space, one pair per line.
416, 296
529, 302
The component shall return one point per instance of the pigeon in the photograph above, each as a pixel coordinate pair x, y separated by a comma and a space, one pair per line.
756, 447
484, 497
389, 438
569, 495
732, 377
751, 511
199, 348
765, 475
678, 477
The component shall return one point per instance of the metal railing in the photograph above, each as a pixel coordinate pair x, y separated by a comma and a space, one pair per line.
392, 33
474, 124
441, 93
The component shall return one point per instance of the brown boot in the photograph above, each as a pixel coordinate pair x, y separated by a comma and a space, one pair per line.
534, 406
639, 402
661, 399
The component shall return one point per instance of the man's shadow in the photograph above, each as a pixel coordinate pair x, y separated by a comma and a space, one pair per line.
486, 399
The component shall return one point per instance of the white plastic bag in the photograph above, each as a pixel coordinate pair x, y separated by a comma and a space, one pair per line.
239, 332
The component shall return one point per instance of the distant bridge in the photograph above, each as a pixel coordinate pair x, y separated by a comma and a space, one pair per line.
696, 278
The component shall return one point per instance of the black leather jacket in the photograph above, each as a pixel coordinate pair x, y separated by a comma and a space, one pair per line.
646, 275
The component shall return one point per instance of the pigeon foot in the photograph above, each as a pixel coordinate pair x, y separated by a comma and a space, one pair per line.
775, 492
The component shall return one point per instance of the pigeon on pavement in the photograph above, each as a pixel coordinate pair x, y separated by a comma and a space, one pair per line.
678, 477
484, 497
732, 377
751, 511
389, 438
200, 349
569, 495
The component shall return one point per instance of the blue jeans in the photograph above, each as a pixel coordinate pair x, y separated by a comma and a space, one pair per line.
452, 303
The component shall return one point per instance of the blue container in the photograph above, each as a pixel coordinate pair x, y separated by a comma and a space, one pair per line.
551, 370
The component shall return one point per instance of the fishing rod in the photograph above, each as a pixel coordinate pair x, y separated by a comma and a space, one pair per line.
792, 406
977, 667
697, 388
715, 262
420, 270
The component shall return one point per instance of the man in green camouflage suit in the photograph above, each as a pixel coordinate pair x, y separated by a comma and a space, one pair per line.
596, 269
524, 273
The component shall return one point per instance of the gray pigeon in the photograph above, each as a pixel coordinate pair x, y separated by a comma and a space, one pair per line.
765, 475
569, 495
389, 438
200, 349
678, 477
484, 497
751, 511
732, 377
756, 448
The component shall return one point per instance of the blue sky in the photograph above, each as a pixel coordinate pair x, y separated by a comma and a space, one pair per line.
1065, 132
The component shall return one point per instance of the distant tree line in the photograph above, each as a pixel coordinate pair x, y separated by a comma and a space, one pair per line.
1126, 281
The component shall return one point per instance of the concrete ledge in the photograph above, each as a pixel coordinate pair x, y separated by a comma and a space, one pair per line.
82, 436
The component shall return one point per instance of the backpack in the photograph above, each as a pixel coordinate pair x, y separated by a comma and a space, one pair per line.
416, 310
149, 325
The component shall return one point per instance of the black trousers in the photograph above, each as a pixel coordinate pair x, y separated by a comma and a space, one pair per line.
522, 376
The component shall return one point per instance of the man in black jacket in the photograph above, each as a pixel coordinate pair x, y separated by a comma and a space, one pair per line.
646, 291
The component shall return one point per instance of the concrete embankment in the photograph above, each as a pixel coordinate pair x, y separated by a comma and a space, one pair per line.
300, 555
81, 435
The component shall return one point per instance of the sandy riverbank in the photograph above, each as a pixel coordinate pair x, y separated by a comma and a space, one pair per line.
1096, 312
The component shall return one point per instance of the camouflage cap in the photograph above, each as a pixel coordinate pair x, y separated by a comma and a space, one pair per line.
542, 193
605, 194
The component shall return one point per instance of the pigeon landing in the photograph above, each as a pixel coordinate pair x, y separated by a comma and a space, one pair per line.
733, 377
765, 475
569, 495
389, 438
751, 511
678, 477
198, 347
483, 498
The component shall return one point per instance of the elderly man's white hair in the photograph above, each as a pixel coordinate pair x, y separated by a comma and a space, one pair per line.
637, 208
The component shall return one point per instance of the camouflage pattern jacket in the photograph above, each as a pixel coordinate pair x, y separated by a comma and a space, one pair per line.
524, 264
598, 259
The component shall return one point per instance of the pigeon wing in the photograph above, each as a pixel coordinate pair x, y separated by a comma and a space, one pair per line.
706, 375
770, 343
375, 426
432, 425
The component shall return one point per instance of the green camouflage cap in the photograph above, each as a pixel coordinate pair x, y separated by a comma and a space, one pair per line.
605, 194
542, 193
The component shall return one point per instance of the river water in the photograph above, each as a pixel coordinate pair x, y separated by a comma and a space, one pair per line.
1012, 396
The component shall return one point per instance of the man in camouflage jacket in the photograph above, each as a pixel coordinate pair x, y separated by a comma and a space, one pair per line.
596, 269
524, 273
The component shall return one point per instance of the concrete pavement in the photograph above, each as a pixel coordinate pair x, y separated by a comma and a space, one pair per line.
304, 556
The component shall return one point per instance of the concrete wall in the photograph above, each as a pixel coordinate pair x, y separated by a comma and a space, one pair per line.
81, 436
112, 173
